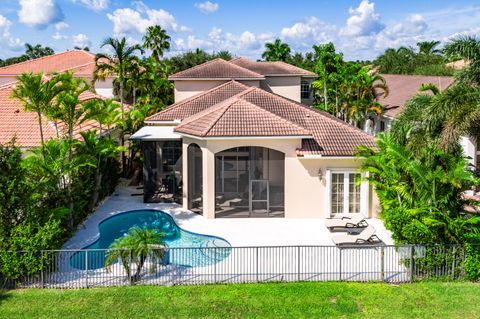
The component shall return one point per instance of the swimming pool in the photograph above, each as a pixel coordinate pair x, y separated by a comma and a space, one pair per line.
206, 250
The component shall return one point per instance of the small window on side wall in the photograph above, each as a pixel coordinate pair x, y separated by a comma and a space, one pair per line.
305, 90
382, 126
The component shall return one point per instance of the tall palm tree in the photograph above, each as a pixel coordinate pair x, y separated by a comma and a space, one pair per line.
37, 95
428, 47
157, 40
104, 112
37, 51
116, 64
276, 51
467, 48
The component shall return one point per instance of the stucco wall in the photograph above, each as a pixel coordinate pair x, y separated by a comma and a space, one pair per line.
104, 88
306, 195
287, 86
187, 88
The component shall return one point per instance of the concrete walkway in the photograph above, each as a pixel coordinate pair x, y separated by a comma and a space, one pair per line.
239, 232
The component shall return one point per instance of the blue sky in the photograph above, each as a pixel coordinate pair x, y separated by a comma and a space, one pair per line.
360, 29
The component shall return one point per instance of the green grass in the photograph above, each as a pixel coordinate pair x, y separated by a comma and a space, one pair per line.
289, 300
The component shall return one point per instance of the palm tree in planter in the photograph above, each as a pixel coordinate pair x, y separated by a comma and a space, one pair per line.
134, 248
276, 51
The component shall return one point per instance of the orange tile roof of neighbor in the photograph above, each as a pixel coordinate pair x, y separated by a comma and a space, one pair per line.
79, 61
403, 87
236, 110
15, 122
271, 68
217, 69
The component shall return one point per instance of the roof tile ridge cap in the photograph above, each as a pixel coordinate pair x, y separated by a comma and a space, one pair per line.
417, 75
315, 111
276, 115
198, 95
36, 59
7, 85
197, 66
291, 66
76, 67
247, 70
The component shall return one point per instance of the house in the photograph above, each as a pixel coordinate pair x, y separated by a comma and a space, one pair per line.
80, 62
238, 142
401, 89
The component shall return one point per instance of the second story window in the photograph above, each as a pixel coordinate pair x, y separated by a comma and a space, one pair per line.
305, 90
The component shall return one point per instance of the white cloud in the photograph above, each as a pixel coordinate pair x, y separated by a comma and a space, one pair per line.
61, 25
39, 13
363, 21
131, 21
302, 35
95, 5
58, 36
207, 7
81, 40
5, 36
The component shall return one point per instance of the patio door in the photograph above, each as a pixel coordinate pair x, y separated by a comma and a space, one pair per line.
345, 193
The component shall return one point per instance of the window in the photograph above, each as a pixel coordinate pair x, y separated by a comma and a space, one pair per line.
345, 193
382, 126
305, 90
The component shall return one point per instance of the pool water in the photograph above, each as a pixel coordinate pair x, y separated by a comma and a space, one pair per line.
194, 250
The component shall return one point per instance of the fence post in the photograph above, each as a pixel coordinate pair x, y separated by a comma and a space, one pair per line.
42, 273
340, 264
130, 267
382, 263
215, 266
256, 264
298, 263
86, 268
171, 252
411, 263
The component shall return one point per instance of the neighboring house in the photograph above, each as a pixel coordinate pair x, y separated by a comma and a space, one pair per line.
403, 87
237, 143
15, 122
277, 77
80, 62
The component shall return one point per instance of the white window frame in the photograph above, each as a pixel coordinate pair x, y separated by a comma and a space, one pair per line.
364, 191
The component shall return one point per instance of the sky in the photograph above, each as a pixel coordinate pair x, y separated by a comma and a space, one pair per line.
361, 29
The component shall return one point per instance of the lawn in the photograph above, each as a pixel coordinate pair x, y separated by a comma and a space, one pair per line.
289, 300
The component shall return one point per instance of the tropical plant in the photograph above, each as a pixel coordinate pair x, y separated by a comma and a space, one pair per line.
428, 47
37, 95
276, 51
157, 40
467, 48
421, 194
37, 51
134, 248
104, 111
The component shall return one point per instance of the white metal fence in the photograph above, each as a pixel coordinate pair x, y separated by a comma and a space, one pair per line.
193, 266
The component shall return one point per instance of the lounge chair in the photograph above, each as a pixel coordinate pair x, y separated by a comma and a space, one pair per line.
346, 223
367, 236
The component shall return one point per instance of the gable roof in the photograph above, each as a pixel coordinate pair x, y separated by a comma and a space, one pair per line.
79, 61
238, 117
199, 102
271, 68
16, 122
217, 69
403, 87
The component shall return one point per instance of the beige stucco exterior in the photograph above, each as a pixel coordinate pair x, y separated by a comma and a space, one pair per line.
187, 88
287, 86
306, 194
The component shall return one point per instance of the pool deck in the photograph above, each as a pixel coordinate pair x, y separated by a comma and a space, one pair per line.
239, 232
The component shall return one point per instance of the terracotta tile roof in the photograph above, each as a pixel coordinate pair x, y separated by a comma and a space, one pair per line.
403, 87
271, 68
216, 69
14, 121
199, 102
237, 117
80, 61
255, 112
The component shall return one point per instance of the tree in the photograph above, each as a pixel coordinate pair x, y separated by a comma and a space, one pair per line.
276, 51
157, 40
82, 48
117, 63
428, 47
36, 95
467, 48
420, 194
134, 249
37, 51
104, 112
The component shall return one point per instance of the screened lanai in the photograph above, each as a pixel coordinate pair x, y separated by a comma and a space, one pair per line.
249, 182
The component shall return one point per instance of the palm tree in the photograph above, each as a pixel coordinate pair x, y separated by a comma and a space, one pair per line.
428, 47
467, 48
37, 51
157, 40
37, 95
134, 249
116, 64
276, 51
104, 112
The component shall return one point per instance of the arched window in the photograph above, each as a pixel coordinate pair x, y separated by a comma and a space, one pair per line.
195, 178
